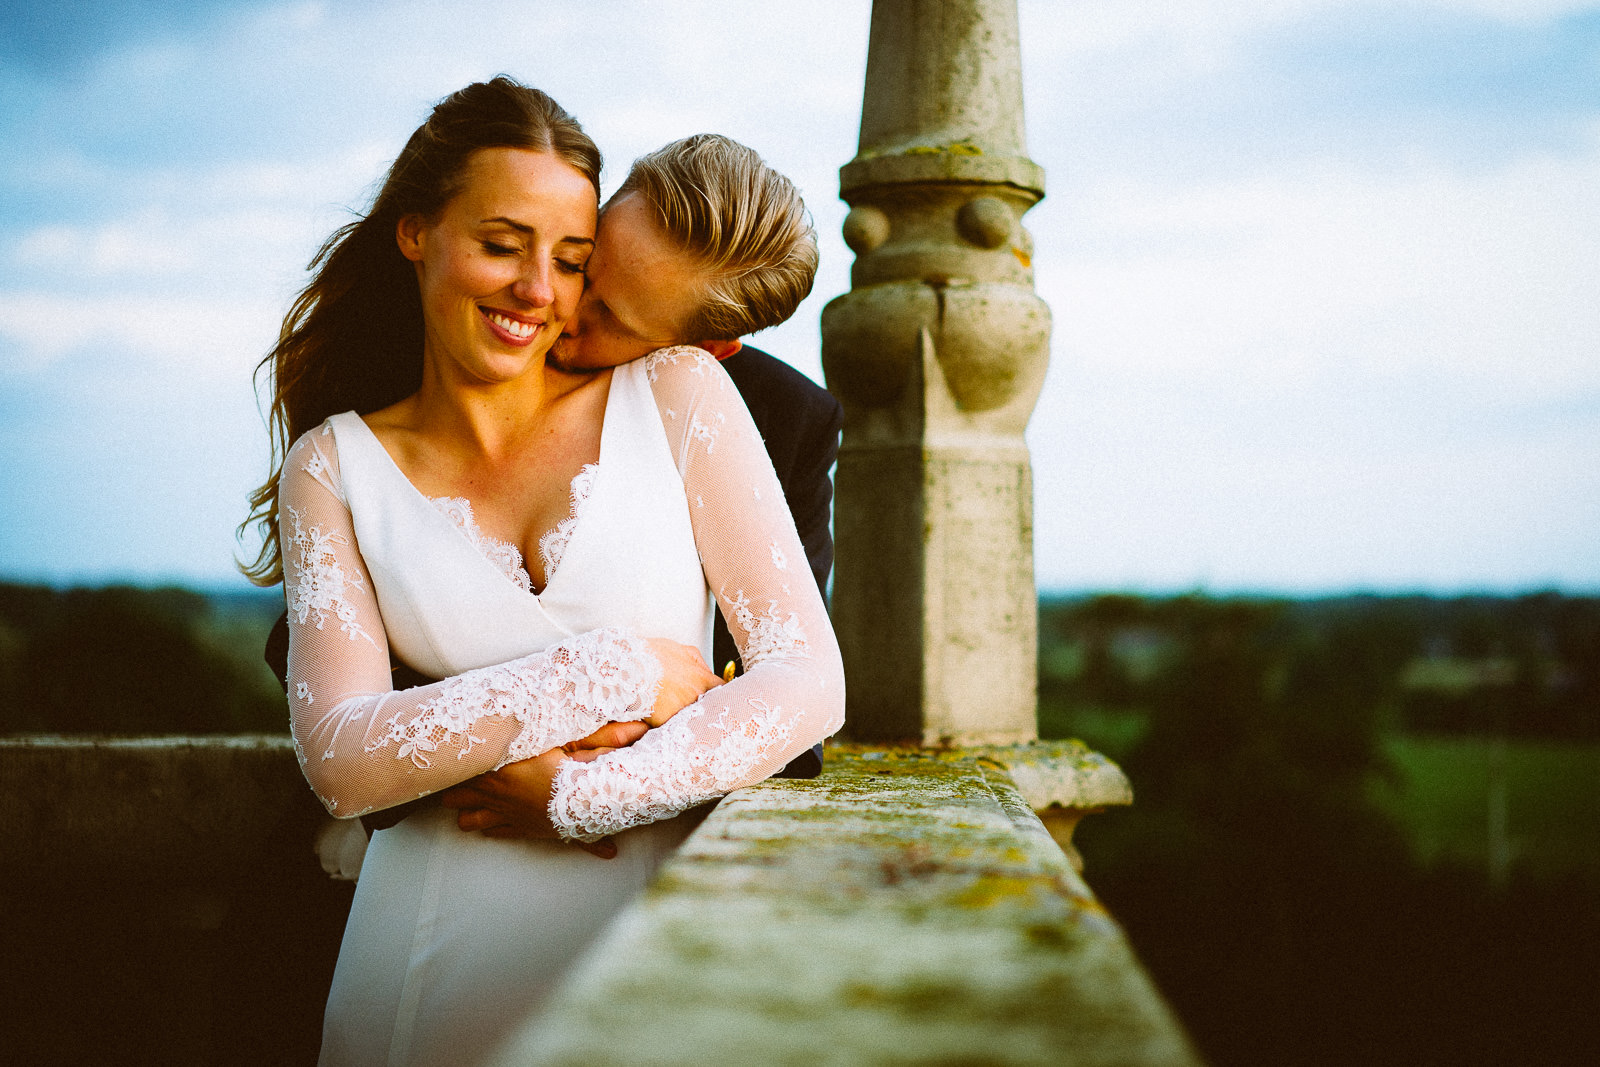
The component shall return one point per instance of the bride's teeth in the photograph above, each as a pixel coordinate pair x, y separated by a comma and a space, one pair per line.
512, 326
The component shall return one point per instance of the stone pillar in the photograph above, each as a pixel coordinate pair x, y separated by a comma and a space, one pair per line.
938, 353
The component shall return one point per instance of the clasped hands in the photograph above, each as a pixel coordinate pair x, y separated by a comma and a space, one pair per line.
514, 801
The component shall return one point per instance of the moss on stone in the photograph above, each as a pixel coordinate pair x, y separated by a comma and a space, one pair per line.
907, 906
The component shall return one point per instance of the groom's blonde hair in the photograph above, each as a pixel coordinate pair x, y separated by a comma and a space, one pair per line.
741, 221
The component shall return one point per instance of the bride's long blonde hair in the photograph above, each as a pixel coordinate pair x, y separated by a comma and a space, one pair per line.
352, 339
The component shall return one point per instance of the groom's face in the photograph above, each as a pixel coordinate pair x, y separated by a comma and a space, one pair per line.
641, 292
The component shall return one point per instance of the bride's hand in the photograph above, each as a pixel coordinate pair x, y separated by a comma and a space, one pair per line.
684, 676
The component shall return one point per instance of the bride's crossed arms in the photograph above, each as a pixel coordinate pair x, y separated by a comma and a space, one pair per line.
364, 746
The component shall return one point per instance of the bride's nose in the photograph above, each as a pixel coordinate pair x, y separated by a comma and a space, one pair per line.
535, 285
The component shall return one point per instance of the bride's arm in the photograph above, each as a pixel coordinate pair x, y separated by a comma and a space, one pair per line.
792, 692
363, 745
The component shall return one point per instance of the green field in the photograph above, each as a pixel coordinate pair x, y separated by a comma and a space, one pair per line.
1440, 793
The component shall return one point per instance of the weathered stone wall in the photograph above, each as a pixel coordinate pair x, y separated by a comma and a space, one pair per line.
906, 908
163, 903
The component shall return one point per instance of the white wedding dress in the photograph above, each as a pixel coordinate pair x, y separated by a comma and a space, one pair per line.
454, 939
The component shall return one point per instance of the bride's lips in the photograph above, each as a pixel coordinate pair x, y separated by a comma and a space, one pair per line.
510, 328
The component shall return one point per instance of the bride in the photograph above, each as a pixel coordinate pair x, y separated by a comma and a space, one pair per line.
550, 544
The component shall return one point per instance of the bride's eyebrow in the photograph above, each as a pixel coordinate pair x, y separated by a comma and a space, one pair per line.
522, 227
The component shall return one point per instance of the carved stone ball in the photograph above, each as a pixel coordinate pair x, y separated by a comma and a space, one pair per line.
865, 228
985, 221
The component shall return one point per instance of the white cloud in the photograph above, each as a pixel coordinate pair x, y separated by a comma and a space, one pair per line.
153, 342
144, 242
1483, 277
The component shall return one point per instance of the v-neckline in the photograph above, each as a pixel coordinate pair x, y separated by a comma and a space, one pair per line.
464, 535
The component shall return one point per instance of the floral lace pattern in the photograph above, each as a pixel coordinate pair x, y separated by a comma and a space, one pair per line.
667, 772
558, 695
706, 432
553, 545
700, 361
768, 637
321, 583
506, 557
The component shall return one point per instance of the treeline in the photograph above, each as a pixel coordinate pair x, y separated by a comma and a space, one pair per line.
130, 660
123, 660
1525, 666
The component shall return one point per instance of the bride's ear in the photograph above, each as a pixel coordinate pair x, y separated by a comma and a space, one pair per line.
408, 234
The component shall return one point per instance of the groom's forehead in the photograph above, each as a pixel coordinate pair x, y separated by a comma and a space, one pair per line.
647, 284
632, 218
630, 232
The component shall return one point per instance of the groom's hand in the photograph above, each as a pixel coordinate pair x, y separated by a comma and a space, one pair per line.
612, 735
515, 800
511, 802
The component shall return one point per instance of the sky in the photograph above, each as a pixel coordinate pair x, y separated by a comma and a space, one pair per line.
1325, 275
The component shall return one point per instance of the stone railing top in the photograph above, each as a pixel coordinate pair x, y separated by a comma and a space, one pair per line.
1067, 774
906, 907
149, 810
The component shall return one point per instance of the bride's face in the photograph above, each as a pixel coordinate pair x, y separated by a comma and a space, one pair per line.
501, 268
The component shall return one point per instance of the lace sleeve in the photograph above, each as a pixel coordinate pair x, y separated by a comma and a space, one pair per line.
364, 746
792, 692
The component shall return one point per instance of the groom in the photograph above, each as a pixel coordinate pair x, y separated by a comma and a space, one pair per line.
702, 244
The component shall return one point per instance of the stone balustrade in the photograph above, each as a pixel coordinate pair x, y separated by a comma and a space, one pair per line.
906, 907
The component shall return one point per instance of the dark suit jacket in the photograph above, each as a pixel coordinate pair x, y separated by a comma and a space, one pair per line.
799, 422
